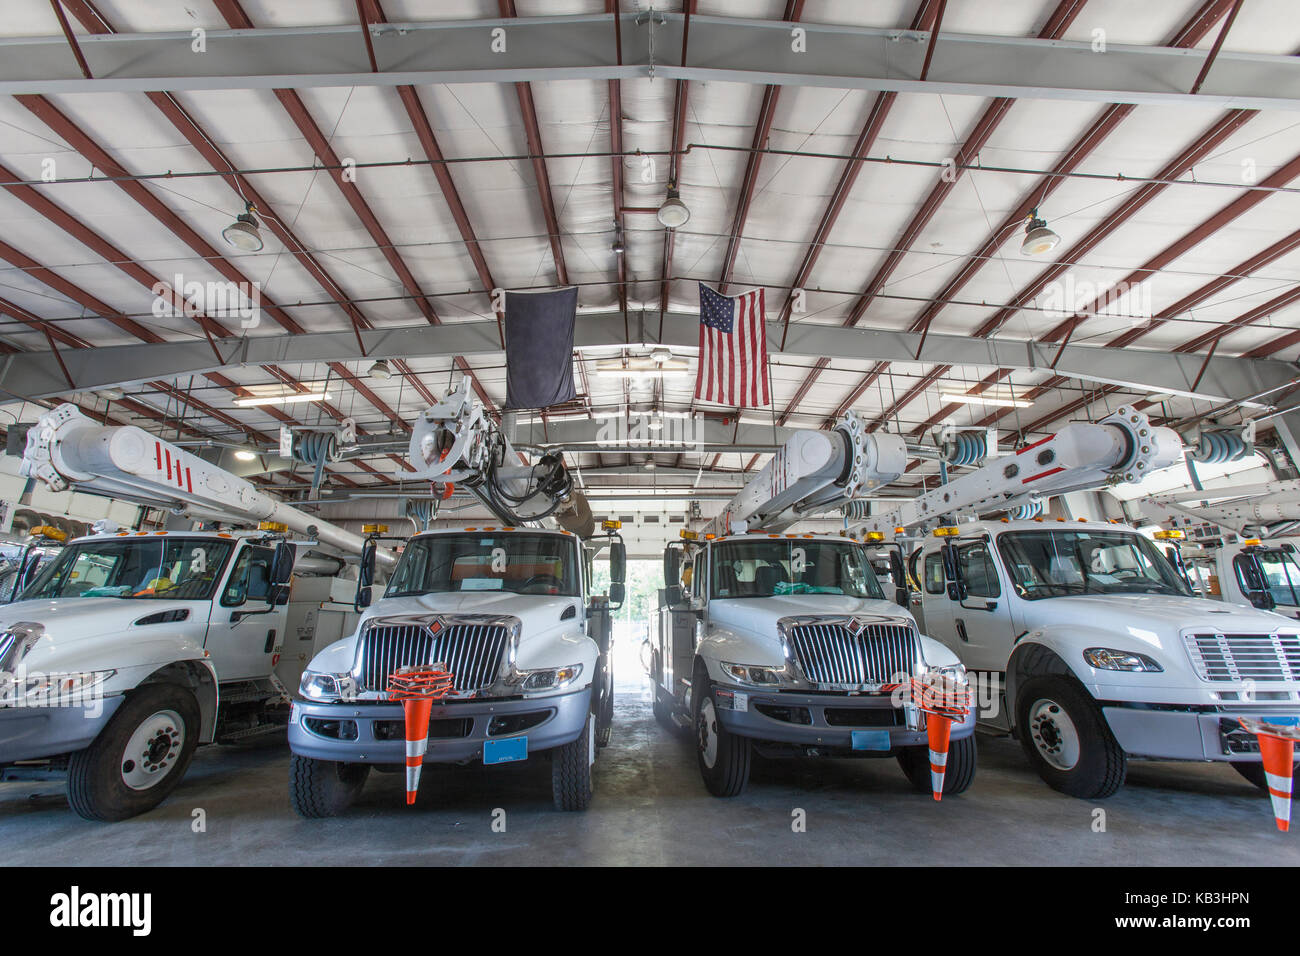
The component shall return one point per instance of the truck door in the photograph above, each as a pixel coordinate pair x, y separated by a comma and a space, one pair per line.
241, 641
970, 619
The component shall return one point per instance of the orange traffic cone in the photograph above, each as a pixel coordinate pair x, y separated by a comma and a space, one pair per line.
417, 710
943, 700
417, 687
938, 729
1277, 736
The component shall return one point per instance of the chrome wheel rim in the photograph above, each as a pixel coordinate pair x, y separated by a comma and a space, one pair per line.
153, 750
1055, 737
708, 732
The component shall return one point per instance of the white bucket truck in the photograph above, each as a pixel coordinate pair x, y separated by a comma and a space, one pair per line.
1096, 646
785, 644
129, 649
506, 609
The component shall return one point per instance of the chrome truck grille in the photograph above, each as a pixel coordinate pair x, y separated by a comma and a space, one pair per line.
1238, 657
472, 650
838, 653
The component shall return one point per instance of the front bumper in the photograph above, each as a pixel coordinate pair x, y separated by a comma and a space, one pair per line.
32, 733
1171, 733
374, 732
825, 720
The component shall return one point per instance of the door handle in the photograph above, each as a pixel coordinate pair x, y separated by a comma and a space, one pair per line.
961, 630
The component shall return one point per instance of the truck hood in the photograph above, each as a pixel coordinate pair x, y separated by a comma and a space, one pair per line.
539, 614
70, 620
759, 615
1155, 613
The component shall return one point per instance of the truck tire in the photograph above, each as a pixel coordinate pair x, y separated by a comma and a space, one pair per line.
324, 788
1254, 772
958, 775
571, 772
138, 758
1067, 740
723, 757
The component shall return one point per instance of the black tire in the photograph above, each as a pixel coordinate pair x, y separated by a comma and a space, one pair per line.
98, 776
605, 720
1101, 764
571, 772
1254, 773
324, 788
729, 772
958, 775
663, 710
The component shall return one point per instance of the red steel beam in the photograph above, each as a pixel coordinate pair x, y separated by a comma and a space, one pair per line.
1188, 35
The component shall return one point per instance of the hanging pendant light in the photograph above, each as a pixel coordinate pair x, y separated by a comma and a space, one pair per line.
673, 213
1039, 240
243, 233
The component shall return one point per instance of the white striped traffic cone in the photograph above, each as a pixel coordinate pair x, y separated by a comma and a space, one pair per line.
417, 687
1278, 754
938, 729
416, 710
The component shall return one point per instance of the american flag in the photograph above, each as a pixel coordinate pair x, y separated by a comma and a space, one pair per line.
733, 350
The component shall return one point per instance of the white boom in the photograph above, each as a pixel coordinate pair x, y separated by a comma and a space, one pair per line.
814, 471
124, 462
1236, 508
454, 442
1123, 447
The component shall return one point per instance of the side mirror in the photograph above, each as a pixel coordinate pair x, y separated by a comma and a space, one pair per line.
1287, 547
673, 567
365, 575
282, 564
617, 592
952, 571
899, 575
617, 562
1257, 591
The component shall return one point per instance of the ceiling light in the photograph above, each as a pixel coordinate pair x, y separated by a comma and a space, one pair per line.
245, 455
619, 247
290, 398
113, 394
243, 233
655, 424
380, 370
673, 213
649, 464
642, 367
984, 398
1039, 240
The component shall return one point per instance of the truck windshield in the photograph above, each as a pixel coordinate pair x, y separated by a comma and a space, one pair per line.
766, 567
170, 568
483, 561
1056, 563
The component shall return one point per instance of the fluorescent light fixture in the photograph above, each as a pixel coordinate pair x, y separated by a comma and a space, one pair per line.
245, 455
984, 398
291, 398
642, 367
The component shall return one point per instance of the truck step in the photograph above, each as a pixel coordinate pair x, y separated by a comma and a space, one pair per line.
248, 732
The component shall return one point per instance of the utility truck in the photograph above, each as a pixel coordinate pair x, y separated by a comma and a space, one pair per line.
785, 644
508, 610
1096, 647
129, 649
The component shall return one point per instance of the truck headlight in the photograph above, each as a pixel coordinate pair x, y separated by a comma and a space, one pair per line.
320, 685
1109, 659
754, 674
549, 678
955, 672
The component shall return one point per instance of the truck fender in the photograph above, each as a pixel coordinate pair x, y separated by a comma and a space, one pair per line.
200, 678
1032, 657
736, 647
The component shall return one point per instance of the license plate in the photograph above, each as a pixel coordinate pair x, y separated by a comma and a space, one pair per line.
505, 750
871, 740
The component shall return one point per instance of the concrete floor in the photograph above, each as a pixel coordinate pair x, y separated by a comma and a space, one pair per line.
651, 808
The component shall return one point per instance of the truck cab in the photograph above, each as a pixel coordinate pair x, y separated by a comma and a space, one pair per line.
1100, 651
1254, 572
786, 645
509, 613
127, 650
